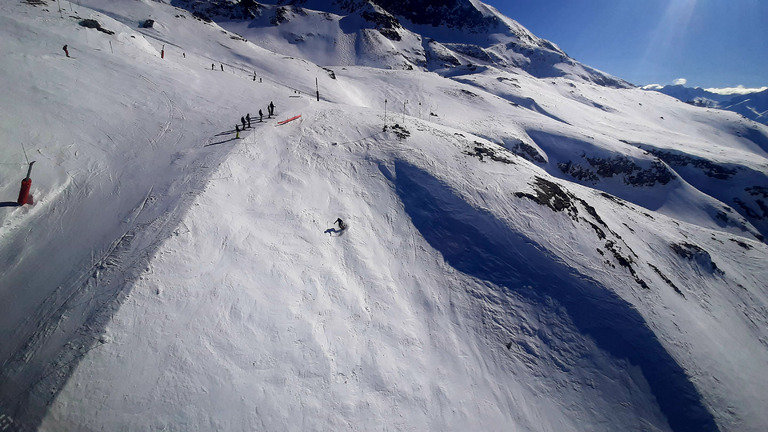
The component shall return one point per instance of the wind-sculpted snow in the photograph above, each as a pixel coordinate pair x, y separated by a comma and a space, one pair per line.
477, 244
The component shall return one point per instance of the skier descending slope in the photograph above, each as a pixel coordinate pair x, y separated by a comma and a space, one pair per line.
342, 225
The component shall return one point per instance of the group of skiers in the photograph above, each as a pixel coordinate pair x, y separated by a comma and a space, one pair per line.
246, 120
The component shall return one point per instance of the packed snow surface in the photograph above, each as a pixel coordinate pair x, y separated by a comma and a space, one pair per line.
520, 253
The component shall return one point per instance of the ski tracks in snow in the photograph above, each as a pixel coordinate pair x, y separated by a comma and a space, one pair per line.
68, 322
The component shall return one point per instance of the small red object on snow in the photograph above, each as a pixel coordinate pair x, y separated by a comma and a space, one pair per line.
24, 192
290, 119
26, 184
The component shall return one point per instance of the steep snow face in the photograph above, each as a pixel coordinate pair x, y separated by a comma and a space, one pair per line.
521, 253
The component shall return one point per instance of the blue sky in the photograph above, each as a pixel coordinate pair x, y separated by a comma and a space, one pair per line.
709, 43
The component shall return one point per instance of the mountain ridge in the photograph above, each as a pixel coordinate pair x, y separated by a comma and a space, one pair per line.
411, 38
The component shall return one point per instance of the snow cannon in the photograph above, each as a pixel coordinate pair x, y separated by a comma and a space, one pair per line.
26, 184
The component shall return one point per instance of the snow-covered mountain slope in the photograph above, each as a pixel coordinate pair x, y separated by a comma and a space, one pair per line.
425, 35
753, 106
522, 253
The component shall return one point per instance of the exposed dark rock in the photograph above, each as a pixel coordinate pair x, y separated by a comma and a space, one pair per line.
528, 152
92, 23
509, 81
279, 17
550, 194
208, 10
742, 244
615, 199
556, 198
757, 191
525, 151
473, 51
625, 261
385, 23
600, 233
750, 212
459, 14
331, 73
495, 153
440, 55
401, 132
666, 279
634, 175
709, 168
695, 253
578, 172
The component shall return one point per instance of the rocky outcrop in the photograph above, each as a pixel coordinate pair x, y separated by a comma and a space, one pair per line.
633, 174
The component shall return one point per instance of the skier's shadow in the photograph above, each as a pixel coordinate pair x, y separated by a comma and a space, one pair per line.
220, 142
333, 232
231, 131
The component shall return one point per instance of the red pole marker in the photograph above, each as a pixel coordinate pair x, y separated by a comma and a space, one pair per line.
26, 184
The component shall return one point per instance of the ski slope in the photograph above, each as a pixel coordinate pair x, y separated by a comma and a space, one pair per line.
171, 276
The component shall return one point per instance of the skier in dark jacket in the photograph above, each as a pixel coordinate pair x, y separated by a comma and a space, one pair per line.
242, 120
271, 109
66, 51
261, 116
248, 119
342, 226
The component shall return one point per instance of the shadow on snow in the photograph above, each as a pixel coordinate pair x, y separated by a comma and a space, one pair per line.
476, 243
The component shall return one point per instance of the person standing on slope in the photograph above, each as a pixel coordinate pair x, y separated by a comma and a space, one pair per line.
242, 120
271, 109
261, 116
66, 51
248, 119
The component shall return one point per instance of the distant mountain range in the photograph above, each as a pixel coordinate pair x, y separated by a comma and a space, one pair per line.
753, 106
